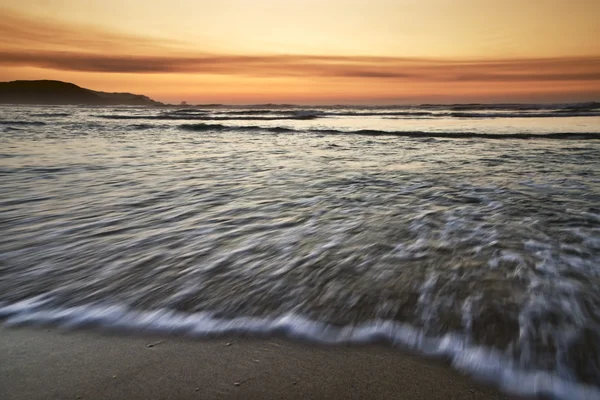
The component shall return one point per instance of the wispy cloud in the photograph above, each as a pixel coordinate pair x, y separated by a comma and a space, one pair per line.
18, 31
49, 44
547, 69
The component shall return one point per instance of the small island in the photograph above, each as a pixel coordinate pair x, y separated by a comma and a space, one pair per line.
48, 92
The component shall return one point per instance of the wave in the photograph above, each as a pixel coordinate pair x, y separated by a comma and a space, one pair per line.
513, 106
220, 127
209, 118
593, 106
328, 113
558, 113
373, 132
143, 127
280, 113
50, 115
21, 122
269, 114
480, 362
189, 111
255, 112
258, 108
474, 115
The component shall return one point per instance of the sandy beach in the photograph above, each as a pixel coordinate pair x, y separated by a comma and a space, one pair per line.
52, 364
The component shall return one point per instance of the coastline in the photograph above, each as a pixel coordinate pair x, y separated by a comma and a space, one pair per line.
45, 363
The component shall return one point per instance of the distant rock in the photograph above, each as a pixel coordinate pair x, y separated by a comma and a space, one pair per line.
64, 93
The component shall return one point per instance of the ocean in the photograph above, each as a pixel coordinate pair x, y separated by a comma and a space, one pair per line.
469, 232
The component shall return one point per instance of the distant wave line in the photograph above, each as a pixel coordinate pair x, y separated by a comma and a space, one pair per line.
20, 122
374, 132
208, 118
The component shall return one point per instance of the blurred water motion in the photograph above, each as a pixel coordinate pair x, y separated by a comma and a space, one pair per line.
482, 249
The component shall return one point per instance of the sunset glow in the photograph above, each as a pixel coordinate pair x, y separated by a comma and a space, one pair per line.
307, 51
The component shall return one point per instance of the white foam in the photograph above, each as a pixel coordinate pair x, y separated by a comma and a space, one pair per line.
482, 363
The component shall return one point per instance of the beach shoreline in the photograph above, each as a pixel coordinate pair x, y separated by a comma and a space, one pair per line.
50, 363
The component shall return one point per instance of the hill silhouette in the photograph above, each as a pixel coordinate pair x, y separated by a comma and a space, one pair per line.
64, 93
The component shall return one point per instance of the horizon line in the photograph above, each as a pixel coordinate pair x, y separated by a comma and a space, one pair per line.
286, 104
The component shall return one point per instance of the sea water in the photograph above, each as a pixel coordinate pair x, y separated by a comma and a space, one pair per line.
467, 231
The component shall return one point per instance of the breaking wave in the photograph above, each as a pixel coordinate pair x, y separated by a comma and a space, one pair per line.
480, 362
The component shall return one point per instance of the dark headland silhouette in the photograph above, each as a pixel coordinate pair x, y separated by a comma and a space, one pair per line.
63, 93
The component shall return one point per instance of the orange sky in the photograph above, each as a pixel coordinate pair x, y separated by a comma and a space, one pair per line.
309, 51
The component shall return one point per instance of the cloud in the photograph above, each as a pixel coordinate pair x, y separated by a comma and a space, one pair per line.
25, 41
18, 31
557, 69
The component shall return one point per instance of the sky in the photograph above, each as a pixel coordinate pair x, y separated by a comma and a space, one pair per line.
310, 51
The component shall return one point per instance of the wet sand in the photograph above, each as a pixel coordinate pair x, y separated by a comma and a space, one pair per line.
51, 364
